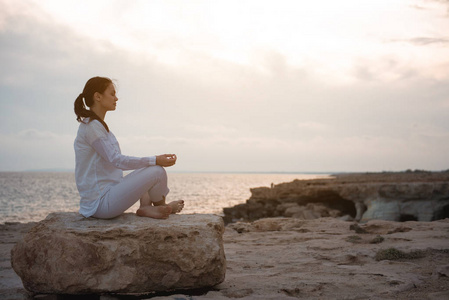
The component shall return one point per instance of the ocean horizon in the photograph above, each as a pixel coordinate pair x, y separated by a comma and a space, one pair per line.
62, 170
29, 196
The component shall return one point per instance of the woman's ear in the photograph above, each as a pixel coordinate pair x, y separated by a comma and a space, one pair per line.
97, 96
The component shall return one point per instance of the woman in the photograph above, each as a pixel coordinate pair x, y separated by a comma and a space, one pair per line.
104, 192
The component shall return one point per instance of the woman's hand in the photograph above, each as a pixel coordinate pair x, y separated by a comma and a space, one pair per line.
166, 160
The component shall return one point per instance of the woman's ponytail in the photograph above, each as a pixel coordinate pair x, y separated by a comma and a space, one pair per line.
93, 85
80, 109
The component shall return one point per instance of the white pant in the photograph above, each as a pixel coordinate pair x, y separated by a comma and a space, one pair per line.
130, 189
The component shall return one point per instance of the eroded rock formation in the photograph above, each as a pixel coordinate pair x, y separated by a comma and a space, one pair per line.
420, 196
68, 254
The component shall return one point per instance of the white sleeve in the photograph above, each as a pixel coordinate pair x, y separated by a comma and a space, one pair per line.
111, 155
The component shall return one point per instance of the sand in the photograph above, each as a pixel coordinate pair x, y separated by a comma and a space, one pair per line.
305, 259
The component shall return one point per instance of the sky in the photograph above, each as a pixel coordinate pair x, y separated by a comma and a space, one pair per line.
232, 86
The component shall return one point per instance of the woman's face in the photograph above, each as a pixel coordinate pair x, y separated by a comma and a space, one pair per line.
108, 99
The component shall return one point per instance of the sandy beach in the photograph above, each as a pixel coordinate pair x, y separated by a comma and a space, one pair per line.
326, 258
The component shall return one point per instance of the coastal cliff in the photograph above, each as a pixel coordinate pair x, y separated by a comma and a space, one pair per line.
399, 196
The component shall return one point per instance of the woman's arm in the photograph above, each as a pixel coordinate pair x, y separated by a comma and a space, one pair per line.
97, 137
120, 161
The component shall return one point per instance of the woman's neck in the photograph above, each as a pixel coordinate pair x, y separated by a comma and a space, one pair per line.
101, 113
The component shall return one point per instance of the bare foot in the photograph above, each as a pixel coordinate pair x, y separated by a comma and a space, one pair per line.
176, 206
156, 212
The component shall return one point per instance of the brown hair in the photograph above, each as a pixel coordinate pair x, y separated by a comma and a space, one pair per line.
93, 85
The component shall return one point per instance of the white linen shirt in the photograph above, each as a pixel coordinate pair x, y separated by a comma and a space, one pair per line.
100, 164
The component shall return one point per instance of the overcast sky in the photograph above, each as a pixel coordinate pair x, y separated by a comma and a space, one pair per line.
287, 86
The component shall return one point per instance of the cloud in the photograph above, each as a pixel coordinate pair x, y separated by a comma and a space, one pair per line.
218, 114
48, 66
424, 41
385, 69
431, 5
36, 135
446, 2
313, 126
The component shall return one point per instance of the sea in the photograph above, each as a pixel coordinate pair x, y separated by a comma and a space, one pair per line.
31, 196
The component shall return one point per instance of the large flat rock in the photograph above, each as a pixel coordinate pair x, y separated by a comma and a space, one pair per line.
68, 254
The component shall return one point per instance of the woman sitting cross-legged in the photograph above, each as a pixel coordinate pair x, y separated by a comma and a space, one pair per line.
105, 193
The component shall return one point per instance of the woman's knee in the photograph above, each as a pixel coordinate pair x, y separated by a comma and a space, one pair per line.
158, 171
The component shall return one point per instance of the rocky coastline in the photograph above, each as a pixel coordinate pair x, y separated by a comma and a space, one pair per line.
320, 251
391, 196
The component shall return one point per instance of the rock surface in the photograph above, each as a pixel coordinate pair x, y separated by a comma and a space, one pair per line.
288, 258
405, 196
68, 254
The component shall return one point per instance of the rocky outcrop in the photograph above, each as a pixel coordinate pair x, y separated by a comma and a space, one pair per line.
419, 196
68, 254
